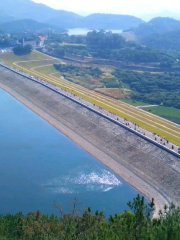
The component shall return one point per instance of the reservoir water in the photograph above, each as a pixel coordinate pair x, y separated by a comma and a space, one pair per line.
40, 166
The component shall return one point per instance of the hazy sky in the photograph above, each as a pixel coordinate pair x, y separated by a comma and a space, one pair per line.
114, 6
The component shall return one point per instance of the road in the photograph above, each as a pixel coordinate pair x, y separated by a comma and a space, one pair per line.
120, 121
146, 106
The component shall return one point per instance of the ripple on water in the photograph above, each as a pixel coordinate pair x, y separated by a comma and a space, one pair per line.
81, 181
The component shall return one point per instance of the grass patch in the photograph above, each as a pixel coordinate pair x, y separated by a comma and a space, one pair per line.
10, 58
48, 70
29, 65
133, 102
169, 113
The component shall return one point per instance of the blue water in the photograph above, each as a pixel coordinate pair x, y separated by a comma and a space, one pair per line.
40, 166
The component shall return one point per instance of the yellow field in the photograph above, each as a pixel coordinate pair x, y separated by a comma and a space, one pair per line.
146, 120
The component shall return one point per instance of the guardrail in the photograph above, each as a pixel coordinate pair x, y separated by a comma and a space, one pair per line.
95, 111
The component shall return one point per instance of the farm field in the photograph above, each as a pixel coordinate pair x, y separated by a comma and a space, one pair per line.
146, 120
169, 113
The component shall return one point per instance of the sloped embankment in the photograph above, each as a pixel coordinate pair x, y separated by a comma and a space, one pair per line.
151, 170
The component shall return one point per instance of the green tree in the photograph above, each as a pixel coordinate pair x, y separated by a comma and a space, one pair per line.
20, 50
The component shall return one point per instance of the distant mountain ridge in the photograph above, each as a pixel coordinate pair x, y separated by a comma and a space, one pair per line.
23, 25
156, 25
109, 21
4, 17
166, 13
27, 9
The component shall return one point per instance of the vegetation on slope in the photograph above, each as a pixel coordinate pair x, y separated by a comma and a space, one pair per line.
152, 88
87, 76
134, 225
4, 17
26, 9
23, 25
101, 45
156, 25
163, 41
109, 21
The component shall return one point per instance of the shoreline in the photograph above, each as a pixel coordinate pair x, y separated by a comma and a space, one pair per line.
123, 172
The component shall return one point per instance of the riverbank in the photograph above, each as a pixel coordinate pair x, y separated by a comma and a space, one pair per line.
43, 101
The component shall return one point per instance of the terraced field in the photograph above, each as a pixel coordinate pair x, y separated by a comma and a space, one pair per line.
41, 66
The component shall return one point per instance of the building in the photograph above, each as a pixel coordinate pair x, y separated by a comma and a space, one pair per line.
42, 39
32, 43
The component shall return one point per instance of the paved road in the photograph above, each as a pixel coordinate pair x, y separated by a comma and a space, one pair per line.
128, 125
146, 106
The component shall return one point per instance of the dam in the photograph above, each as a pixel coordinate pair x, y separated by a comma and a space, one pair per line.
150, 169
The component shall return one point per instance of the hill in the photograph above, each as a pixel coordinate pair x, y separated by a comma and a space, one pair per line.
163, 41
5, 17
109, 21
166, 13
156, 25
23, 25
26, 9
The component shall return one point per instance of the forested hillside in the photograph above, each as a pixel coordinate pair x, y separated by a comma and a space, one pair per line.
156, 25
4, 17
109, 21
23, 25
113, 47
161, 89
26, 9
164, 41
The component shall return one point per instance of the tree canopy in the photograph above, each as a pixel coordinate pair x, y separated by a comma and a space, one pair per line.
152, 88
136, 224
22, 50
163, 41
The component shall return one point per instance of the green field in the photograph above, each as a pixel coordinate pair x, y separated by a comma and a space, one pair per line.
133, 103
169, 113
48, 70
29, 65
10, 58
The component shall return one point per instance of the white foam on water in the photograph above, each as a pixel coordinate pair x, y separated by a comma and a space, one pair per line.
105, 178
80, 181
108, 189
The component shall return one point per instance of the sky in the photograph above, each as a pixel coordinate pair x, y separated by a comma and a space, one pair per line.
114, 6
